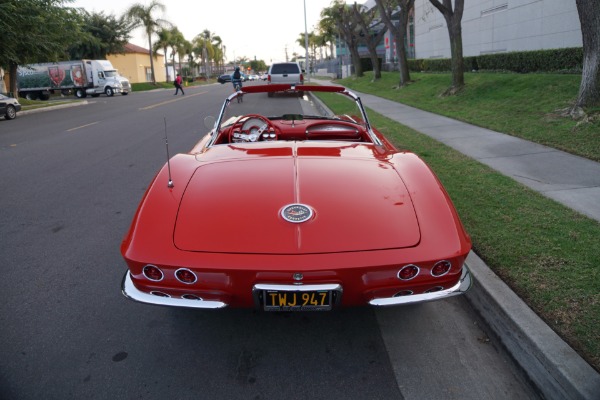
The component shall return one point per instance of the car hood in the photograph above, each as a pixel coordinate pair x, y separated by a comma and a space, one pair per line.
235, 206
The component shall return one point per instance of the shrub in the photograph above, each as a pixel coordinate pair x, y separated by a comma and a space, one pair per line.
554, 60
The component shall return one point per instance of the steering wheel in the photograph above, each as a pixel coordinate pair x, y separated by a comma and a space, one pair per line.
255, 128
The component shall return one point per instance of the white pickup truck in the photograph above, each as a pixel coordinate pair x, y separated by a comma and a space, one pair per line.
285, 72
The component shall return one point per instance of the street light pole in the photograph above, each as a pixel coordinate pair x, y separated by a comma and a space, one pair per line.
306, 42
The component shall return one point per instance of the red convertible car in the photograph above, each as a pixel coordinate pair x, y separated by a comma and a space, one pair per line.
283, 206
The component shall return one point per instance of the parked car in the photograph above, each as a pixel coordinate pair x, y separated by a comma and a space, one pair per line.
282, 207
227, 78
224, 78
285, 72
9, 107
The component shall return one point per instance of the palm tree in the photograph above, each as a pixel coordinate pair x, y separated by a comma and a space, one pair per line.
141, 16
184, 49
177, 42
328, 34
203, 45
217, 44
198, 46
207, 38
163, 43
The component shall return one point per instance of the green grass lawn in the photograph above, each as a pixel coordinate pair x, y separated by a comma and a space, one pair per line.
523, 105
547, 253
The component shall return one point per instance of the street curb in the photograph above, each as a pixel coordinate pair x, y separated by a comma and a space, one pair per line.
53, 107
554, 367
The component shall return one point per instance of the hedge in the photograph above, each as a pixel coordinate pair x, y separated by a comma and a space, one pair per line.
568, 60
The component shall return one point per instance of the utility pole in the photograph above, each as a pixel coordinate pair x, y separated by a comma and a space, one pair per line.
307, 63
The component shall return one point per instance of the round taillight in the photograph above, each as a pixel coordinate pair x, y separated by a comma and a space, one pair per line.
403, 293
434, 289
159, 294
191, 297
408, 272
153, 273
441, 268
186, 276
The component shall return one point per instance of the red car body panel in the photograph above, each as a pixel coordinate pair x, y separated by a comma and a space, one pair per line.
254, 223
375, 210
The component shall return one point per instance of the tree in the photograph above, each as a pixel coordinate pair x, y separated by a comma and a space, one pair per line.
258, 65
203, 45
162, 43
365, 18
177, 43
328, 33
142, 16
589, 18
185, 51
341, 15
101, 35
453, 23
312, 46
218, 50
35, 31
387, 9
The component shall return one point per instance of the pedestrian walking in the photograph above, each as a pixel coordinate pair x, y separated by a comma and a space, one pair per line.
178, 87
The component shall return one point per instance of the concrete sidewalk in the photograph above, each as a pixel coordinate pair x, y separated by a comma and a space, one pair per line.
555, 368
571, 180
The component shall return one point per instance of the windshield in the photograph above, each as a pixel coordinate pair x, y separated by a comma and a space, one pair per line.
289, 112
284, 106
111, 74
285, 68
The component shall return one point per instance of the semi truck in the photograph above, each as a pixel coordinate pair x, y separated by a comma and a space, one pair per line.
80, 77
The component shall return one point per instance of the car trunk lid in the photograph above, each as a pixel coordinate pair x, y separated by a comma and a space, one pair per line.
235, 206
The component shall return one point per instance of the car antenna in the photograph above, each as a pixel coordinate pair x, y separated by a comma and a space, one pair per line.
170, 184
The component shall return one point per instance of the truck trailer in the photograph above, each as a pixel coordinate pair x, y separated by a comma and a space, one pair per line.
80, 77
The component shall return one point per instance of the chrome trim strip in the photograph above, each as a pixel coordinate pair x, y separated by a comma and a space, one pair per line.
465, 282
370, 132
260, 287
131, 292
297, 288
219, 120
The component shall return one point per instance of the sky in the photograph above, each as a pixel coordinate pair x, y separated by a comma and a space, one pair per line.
261, 30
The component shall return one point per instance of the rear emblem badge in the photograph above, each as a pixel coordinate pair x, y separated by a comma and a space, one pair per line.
296, 213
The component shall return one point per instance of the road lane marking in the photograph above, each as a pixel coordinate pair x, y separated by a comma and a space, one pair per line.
170, 101
82, 126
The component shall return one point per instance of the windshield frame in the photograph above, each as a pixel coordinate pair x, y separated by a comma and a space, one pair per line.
291, 88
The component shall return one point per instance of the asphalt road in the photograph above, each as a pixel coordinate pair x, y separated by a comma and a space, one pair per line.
71, 180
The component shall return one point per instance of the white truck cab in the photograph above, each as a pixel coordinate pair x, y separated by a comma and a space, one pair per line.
104, 79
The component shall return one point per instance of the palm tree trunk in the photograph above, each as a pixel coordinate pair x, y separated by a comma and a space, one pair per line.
151, 58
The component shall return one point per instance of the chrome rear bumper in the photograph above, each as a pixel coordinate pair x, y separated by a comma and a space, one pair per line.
130, 291
464, 283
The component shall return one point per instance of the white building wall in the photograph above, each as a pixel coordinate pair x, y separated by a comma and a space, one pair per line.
494, 26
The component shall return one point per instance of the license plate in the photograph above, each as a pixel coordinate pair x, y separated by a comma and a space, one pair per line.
282, 300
